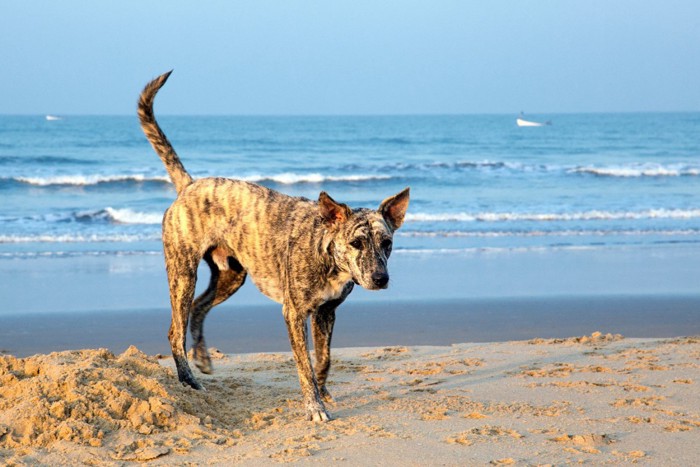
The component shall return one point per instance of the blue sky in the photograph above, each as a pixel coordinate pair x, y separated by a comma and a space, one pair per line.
351, 57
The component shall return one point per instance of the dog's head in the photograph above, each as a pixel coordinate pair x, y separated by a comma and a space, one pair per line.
360, 240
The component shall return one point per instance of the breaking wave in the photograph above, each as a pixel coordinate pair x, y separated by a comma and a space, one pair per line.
551, 217
128, 216
640, 170
369, 173
286, 178
289, 178
89, 180
107, 215
78, 238
543, 233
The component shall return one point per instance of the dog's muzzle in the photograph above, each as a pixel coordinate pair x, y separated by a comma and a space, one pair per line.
380, 279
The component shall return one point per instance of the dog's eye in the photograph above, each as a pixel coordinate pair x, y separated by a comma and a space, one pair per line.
386, 244
357, 243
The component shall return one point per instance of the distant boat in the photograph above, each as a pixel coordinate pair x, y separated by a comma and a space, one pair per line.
53, 117
522, 122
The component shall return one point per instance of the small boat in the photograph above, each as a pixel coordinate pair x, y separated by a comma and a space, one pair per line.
53, 118
522, 122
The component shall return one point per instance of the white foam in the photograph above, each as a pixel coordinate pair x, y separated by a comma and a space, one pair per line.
285, 178
544, 233
493, 250
552, 217
87, 180
75, 254
128, 216
77, 238
290, 178
640, 170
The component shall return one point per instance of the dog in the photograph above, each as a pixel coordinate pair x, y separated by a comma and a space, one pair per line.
306, 255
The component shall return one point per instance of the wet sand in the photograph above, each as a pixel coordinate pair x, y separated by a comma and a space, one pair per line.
261, 328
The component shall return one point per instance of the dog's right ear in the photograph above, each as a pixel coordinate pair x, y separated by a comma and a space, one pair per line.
393, 209
331, 211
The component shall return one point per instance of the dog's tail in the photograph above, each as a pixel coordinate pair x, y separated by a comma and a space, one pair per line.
155, 135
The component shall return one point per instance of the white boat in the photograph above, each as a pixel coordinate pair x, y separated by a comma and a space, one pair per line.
522, 122
52, 117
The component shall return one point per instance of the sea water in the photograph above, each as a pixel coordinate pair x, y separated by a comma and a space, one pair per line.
92, 185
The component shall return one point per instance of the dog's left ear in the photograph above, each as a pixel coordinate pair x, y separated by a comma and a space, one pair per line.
393, 209
331, 211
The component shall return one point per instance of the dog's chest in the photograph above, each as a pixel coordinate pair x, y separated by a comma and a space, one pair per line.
335, 287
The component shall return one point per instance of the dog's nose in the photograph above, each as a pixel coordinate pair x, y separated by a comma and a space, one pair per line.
380, 279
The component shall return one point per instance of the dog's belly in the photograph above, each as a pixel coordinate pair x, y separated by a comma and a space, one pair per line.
269, 287
334, 288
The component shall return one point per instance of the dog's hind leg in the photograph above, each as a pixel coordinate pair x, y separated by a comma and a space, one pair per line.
181, 300
182, 277
222, 285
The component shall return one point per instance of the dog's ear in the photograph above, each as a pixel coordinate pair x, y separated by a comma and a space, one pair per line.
331, 211
393, 209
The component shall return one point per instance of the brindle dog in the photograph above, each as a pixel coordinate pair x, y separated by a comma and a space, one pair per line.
303, 254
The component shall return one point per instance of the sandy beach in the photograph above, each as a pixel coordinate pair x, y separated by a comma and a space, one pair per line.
601, 399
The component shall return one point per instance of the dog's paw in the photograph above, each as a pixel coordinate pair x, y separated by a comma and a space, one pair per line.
201, 358
192, 382
317, 413
204, 364
319, 416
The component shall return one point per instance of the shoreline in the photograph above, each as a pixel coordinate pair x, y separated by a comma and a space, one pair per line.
89, 283
260, 328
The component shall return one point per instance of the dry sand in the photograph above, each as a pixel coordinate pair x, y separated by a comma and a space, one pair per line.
596, 399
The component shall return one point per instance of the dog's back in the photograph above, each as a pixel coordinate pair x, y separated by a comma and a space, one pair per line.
247, 222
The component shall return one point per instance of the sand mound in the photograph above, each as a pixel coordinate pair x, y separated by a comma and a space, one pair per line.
85, 396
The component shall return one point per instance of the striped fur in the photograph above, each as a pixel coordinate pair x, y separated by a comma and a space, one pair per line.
155, 135
306, 255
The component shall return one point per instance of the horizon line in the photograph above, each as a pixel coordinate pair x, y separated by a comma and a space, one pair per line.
355, 115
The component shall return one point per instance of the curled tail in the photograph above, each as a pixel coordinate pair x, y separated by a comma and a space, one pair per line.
155, 135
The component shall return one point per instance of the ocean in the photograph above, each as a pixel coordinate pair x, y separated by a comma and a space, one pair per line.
92, 185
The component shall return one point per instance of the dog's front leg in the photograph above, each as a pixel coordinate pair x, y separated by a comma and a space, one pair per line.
322, 330
296, 326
